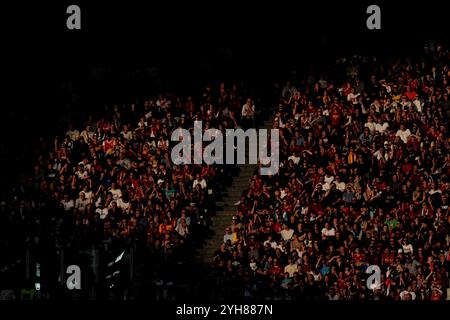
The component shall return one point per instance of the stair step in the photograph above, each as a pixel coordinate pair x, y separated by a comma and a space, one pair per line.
235, 196
226, 216
227, 212
235, 190
232, 200
229, 197
241, 183
221, 225
246, 172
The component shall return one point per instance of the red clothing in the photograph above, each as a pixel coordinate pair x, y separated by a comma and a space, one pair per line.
108, 145
275, 270
335, 118
410, 94
435, 297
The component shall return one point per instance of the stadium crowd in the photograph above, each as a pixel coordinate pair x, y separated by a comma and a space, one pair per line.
363, 180
110, 184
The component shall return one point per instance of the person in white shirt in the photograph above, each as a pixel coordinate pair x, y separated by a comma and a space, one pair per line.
248, 114
248, 109
85, 164
295, 158
405, 103
403, 133
81, 203
103, 205
287, 233
380, 153
418, 104
127, 134
185, 217
182, 228
386, 85
273, 244
370, 124
142, 123
73, 134
228, 235
103, 213
88, 194
123, 204
67, 203
291, 268
407, 295
339, 184
81, 173
323, 83
124, 162
328, 179
327, 231
407, 247
381, 126
201, 182
376, 104
116, 192
87, 134
352, 96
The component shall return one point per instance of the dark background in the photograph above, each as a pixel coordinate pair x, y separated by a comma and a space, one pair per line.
127, 49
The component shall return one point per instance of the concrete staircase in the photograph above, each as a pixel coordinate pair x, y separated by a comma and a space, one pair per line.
224, 218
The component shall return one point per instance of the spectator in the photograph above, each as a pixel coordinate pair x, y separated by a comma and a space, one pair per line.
248, 114
118, 188
363, 180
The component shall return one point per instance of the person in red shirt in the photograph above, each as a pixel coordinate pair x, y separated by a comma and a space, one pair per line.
109, 144
410, 94
335, 116
275, 268
436, 294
